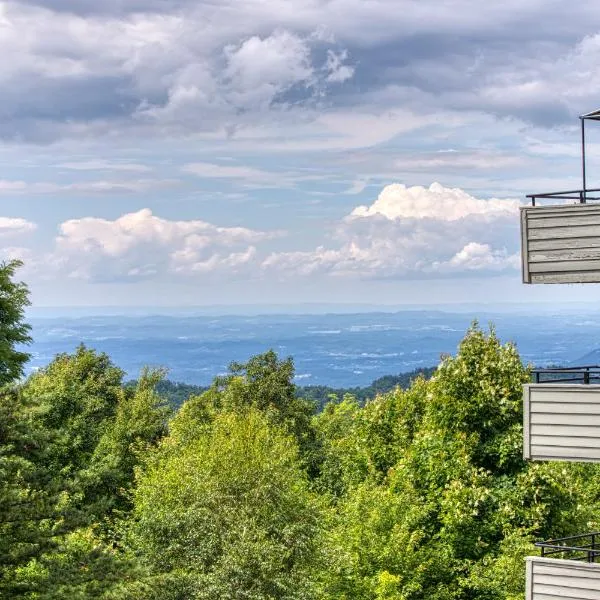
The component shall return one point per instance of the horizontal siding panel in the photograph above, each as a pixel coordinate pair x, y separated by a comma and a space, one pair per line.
570, 408
581, 277
565, 221
567, 430
539, 214
567, 578
564, 244
564, 265
564, 232
564, 254
566, 568
577, 580
566, 441
562, 419
563, 592
572, 452
565, 392
568, 459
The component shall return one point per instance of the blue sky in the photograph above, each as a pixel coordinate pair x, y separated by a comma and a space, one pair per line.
185, 152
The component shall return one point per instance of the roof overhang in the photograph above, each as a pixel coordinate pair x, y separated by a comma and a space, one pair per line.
592, 116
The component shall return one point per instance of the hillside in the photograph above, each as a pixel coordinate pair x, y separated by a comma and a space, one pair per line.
177, 392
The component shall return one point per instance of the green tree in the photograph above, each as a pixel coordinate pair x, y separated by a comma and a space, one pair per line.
14, 298
227, 513
267, 383
443, 505
70, 440
29, 497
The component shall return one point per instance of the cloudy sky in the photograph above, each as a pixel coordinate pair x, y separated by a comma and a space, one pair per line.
189, 152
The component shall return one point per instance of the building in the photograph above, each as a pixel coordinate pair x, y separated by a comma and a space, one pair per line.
560, 235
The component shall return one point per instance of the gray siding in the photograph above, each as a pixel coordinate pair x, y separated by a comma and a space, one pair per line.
561, 244
561, 422
551, 579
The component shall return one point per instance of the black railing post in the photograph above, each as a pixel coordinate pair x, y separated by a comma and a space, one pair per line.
583, 157
586, 376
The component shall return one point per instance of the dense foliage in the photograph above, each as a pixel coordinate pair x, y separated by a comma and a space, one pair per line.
247, 491
177, 393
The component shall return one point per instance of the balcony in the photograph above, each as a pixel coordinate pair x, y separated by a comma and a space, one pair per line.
561, 242
561, 415
567, 568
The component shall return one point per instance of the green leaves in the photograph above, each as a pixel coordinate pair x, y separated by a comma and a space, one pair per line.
246, 494
14, 298
231, 509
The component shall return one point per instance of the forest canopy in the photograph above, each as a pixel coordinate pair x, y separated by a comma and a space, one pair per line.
246, 491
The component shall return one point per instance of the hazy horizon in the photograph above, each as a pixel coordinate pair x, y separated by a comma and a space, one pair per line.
309, 308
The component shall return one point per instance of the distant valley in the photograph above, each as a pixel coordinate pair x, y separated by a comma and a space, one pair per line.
337, 350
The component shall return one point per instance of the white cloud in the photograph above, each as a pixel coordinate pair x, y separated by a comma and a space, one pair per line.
251, 177
414, 232
338, 70
15, 226
133, 186
105, 165
396, 201
260, 68
213, 171
141, 245
481, 257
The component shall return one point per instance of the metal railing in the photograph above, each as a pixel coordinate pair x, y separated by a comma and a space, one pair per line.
584, 547
582, 196
587, 374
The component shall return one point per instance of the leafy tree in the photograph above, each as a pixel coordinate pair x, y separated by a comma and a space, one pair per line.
227, 513
14, 298
267, 383
29, 497
442, 505
70, 439
478, 393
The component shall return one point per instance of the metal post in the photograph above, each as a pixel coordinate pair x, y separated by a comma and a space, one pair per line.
583, 158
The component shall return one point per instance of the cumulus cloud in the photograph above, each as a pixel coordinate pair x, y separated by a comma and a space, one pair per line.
142, 245
260, 68
414, 232
396, 201
480, 257
11, 226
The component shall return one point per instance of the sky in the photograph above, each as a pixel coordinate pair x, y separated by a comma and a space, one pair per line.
190, 152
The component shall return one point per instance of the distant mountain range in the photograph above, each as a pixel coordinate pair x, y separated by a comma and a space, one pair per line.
340, 351
591, 358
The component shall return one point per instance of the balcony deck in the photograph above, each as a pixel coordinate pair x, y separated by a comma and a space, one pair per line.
567, 568
561, 415
561, 242
560, 579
